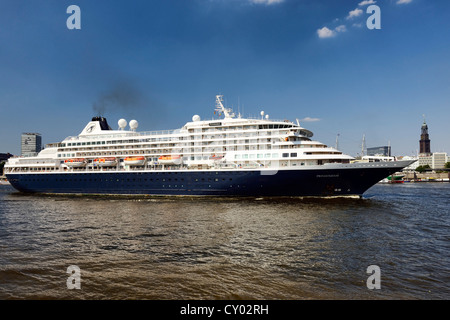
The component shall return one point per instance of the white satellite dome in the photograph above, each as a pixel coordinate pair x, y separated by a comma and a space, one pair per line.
196, 118
122, 123
133, 124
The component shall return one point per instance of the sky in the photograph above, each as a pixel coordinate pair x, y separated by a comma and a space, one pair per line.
162, 61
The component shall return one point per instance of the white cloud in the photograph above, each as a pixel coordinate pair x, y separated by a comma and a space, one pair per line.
355, 13
328, 33
366, 2
325, 33
403, 1
309, 119
340, 28
266, 2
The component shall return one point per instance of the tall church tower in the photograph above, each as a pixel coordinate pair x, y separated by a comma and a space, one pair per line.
424, 140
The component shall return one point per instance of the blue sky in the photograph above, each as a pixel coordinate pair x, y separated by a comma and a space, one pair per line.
166, 60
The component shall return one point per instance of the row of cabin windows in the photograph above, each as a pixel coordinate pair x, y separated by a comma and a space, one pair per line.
209, 173
264, 156
237, 156
90, 143
37, 169
248, 127
124, 180
231, 143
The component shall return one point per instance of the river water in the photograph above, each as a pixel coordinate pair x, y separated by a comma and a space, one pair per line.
179, 248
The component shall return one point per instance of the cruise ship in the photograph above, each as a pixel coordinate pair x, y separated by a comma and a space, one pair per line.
226, 156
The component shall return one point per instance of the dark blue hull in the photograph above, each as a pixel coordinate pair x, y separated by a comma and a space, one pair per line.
343, 180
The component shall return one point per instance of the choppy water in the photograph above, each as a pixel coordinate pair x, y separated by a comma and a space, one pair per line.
222, 248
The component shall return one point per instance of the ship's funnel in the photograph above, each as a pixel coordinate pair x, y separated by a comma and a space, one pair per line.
103, 123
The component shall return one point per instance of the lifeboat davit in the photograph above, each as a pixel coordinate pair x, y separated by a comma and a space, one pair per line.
175, 159
105, 162
75, 162
134, 161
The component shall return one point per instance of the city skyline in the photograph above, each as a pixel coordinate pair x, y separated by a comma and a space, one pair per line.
161, 62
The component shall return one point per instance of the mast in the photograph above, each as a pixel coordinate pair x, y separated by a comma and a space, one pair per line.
219, 107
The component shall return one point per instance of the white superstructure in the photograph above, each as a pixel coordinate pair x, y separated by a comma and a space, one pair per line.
230, 142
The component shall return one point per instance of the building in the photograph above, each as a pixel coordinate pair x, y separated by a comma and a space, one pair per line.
424, 142
379, 151
425, 160
31, 144
438, 160
435, 160
425, 155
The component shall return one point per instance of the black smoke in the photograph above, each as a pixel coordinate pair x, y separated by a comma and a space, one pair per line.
128, 99
122, 96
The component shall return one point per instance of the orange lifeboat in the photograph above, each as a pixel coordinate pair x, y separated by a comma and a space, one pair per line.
75, 162
170, 159
105, 162
216, 157
134, 161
